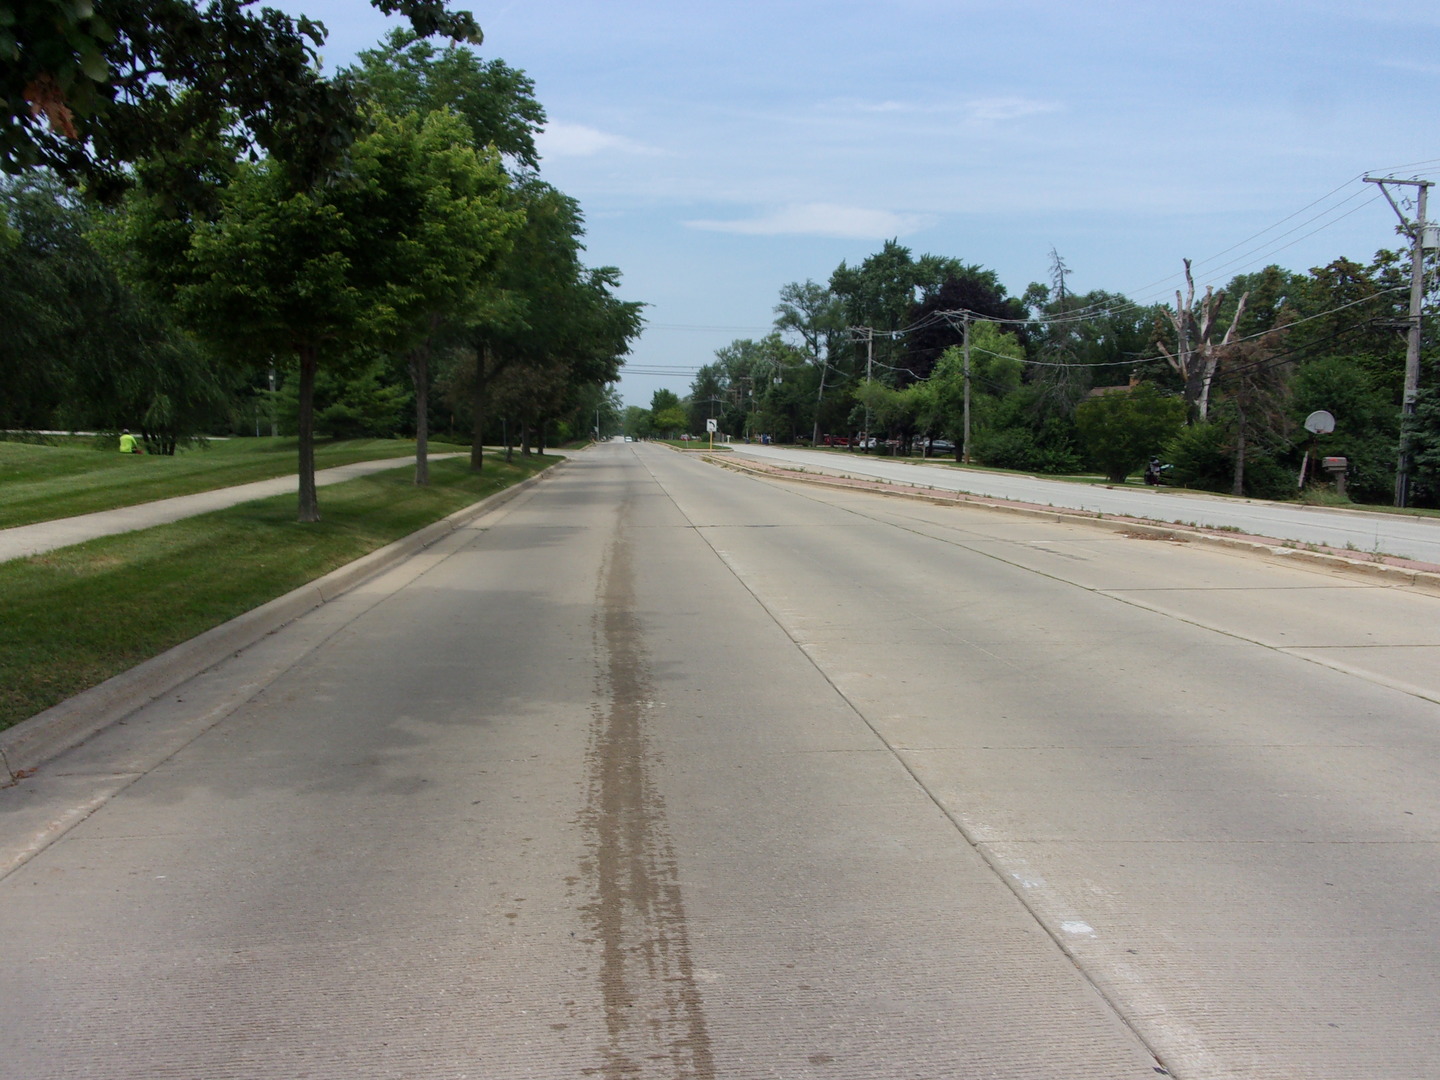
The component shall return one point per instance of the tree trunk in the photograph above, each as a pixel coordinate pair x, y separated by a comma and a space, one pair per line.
309, 503
819, 401
422, 423
1238, 488
478, 402
420, 376
419, 364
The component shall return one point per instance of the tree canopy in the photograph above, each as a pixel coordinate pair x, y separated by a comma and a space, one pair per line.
409, 75
89, 88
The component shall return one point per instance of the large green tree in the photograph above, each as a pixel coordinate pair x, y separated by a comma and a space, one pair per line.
497, 102
91, 87
967, 288
310, 274
438, 217
284, 274
967, 396
543, 307
878, 298
814, 314
84, 348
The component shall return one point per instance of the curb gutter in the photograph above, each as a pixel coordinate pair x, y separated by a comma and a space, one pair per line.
30, 743
1427, 580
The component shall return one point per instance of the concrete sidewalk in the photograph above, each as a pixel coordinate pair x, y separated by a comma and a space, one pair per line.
45, 536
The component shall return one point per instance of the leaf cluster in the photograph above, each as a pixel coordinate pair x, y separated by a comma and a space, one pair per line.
91, 86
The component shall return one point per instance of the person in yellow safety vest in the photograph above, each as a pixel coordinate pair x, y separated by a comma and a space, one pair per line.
128, 443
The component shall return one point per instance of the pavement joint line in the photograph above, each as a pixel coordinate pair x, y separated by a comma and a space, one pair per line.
26, 746
1058, 935
1422, 577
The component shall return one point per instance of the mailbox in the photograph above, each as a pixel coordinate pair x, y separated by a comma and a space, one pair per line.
1335, 466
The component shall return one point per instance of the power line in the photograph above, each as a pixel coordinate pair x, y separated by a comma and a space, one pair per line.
1121, 303
706, 329
973, 316
1375, 197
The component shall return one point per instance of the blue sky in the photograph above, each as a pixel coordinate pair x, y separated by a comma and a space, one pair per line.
722, 150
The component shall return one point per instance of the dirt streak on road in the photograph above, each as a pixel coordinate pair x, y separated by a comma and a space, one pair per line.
653, 1012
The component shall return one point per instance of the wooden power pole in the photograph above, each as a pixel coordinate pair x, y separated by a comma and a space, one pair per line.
1416, 229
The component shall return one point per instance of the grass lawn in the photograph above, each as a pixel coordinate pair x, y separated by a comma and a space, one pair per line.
76, 616
42, 482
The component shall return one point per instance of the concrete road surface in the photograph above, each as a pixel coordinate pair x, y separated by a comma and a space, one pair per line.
1383, 533
662, 771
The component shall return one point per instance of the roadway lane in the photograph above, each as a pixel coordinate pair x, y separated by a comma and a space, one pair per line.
662, 771
1388, 534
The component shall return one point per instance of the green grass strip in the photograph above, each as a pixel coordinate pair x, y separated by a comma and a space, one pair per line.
40, 482
72, 618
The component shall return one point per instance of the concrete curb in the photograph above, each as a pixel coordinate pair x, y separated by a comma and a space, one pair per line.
30, 743
1423, 579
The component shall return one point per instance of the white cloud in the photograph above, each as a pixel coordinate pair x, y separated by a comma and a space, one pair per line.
999, 109
577, 140
1003, 109
822, 219
1411, 65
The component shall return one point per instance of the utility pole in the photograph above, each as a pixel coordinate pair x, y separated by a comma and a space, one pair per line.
869, 362
1416, 229
965, 430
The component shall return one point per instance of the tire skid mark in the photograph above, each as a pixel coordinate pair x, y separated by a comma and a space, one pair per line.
654, 1015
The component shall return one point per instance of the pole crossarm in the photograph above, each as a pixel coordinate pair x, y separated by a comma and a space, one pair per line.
1381, 181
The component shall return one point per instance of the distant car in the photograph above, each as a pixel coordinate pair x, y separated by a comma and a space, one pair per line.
942, 446
629, 439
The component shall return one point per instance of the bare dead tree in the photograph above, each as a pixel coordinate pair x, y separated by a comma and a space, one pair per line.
1196, 352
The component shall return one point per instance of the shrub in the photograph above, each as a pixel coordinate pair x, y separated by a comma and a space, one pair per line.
1120, 430
1199, 457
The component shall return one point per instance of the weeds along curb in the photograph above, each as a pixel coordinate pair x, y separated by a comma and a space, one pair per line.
1379, 572
31, 743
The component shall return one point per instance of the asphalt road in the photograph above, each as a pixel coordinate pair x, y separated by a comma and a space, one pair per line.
662, 771
1401, 535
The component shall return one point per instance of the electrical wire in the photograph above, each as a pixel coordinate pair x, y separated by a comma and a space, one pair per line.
1375, 196
1110, 308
